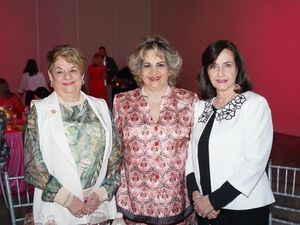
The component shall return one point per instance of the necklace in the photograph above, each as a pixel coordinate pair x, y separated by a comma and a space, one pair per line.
156, 98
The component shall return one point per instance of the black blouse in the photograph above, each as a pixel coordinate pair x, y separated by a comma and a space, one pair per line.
226, 193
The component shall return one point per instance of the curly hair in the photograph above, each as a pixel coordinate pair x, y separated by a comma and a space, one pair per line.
163, 50
68, 53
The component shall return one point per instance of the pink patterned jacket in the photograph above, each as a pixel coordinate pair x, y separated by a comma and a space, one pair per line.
153, 188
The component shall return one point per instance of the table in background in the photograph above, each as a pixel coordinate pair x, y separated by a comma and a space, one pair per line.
15, 162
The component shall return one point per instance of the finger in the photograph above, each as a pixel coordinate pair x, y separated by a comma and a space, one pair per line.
80, 215
199, 214
211, 216
214, 213
84, 210
205, 213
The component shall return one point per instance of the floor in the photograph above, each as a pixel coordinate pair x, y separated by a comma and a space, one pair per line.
285, 151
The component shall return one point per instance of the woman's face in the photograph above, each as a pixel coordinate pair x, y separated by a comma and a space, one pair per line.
222, 73
155, 71
66, 79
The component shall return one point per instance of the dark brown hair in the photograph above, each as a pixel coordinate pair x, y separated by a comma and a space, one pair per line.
209, 56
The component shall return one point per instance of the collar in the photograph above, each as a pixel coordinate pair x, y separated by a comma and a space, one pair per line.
68, 105
226, 112
167, 92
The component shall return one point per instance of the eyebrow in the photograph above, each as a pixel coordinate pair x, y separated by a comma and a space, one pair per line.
227, 62
58, 67
162, 61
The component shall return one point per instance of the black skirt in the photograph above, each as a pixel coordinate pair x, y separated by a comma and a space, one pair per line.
257, 216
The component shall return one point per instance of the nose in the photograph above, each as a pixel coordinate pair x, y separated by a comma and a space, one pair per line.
154, 70
220, 71
67, 75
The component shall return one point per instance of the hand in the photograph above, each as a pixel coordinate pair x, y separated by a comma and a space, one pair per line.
197, 200
213, 214
91, 204
76, 206
203, 206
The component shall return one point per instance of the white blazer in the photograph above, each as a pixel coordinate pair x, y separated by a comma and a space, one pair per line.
59, 160
239, 149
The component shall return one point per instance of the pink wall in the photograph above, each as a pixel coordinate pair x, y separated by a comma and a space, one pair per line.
29, 29
267, 33
17, 39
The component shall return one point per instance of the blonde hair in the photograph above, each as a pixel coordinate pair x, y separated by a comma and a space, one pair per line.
68, 53
163, 50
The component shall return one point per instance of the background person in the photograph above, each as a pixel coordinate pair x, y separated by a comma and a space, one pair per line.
9, 101
96, 78
71, 151
111, 70
31, 79
4, 148
41, 92
155, 122
230, 143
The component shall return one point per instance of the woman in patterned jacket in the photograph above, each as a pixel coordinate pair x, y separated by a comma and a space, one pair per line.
154, 122
72, 154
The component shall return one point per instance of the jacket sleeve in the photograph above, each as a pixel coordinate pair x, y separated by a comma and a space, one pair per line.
36, 172
257, 138
113, 178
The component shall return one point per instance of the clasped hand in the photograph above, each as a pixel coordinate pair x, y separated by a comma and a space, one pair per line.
203, 206
79, 208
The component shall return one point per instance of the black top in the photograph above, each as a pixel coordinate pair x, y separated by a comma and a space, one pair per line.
226, 193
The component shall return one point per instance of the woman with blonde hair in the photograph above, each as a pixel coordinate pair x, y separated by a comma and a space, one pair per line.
154, 122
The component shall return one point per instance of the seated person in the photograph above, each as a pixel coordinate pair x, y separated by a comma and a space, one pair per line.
9, 101
4, 148
29, 97
41, 92
124, 81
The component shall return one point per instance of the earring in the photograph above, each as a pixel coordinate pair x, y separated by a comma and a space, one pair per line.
82, 82
51, 84
237, 87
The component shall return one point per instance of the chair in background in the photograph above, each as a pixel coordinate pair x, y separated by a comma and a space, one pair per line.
2, 190
285, 184
19, 203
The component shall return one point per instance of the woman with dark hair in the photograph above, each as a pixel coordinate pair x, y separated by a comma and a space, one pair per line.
230, 143
9, 101
31, 80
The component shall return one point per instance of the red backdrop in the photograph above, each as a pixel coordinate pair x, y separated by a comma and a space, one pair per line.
266, 32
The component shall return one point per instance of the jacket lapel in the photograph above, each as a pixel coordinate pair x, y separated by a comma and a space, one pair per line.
57, 129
